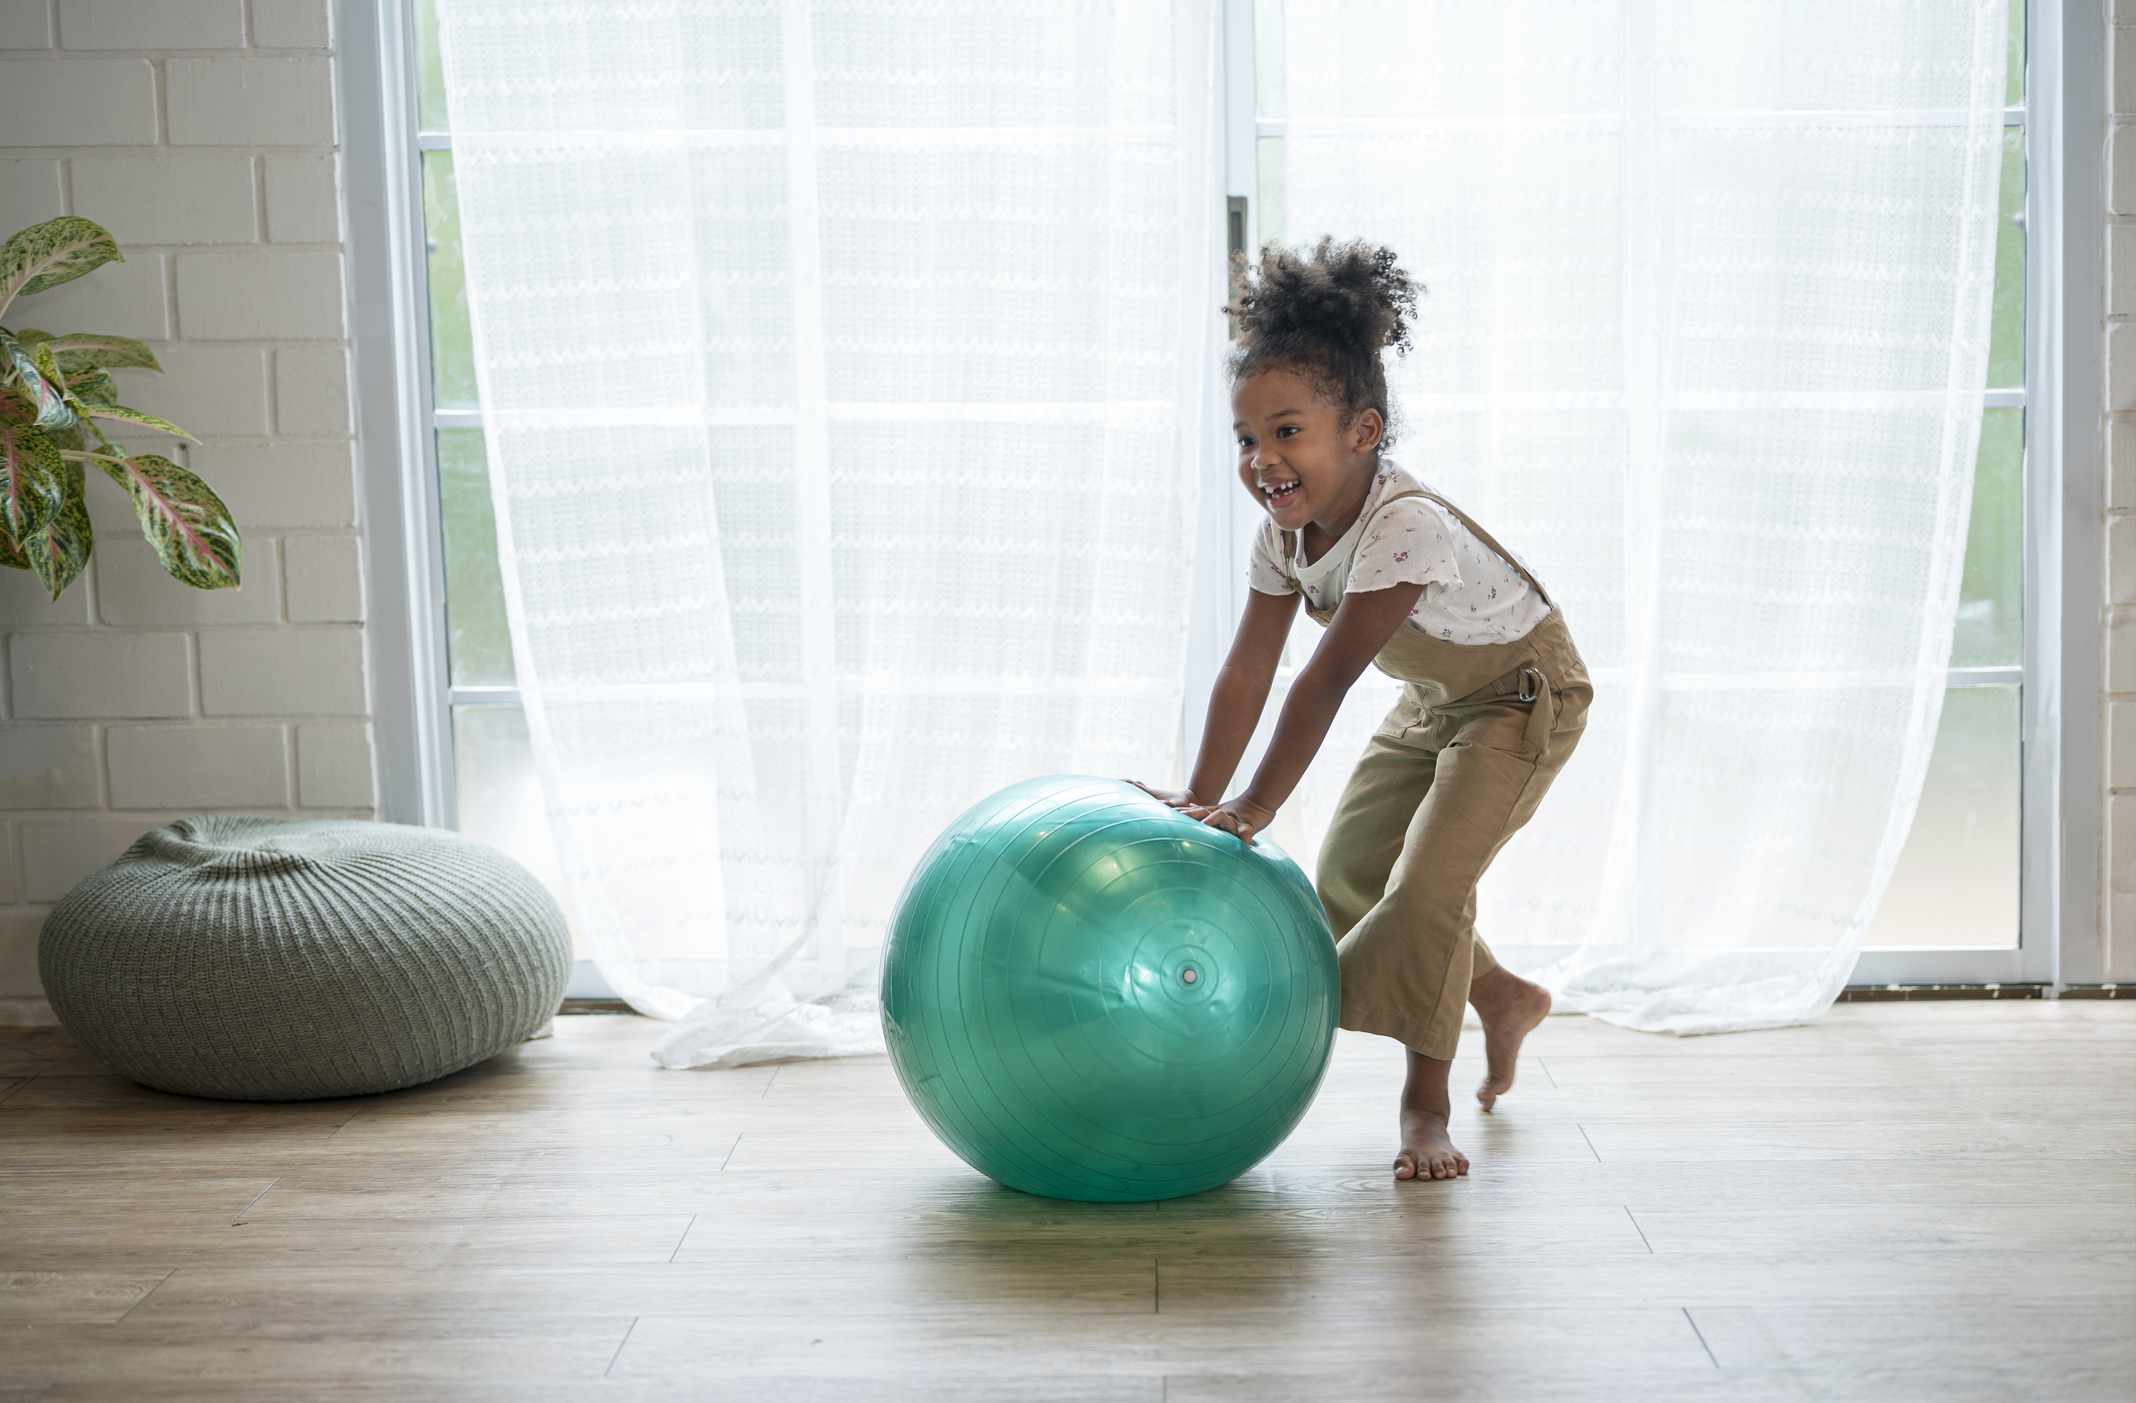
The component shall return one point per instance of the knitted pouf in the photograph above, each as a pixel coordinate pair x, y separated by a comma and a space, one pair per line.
263, 959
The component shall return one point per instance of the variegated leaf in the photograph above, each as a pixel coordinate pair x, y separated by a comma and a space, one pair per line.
30, 480
183, 519
19, 365
92, 386
119, 413
11, 553
59, 550
54, 252
81, 350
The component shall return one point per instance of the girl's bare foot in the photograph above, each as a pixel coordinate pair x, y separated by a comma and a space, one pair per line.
1427, 1151
1510, 1007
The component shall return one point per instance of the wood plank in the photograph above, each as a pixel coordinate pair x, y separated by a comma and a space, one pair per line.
1748, 1278
755, 1283
52, 1297
309, 1361
111, 1239
1559, 1343
2071, 1348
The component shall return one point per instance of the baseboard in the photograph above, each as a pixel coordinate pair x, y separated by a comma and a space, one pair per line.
27, 1012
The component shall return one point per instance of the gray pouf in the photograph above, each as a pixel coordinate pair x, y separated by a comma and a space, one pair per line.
263, 959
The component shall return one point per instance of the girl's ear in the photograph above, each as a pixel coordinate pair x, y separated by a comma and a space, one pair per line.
1368, 431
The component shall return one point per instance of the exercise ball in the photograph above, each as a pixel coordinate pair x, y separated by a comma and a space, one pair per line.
1089, 995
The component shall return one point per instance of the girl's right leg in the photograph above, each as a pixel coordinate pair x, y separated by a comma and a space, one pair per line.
1363, 842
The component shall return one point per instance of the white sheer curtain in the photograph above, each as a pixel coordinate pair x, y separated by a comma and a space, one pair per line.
845, 369
1705, 343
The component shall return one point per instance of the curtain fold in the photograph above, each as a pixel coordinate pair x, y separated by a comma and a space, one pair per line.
845, 370
1705, 343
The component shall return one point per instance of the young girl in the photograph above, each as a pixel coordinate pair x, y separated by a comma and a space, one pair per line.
1494, 695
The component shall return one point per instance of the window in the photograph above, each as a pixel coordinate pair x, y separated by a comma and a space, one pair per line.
1957, 887
495, 793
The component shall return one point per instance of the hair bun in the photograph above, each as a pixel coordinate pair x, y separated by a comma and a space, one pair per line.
1350, 294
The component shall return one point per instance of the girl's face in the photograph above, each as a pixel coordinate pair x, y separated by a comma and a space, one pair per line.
1293, 455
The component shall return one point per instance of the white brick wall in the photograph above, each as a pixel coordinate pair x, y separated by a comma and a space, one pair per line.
2119, 904
135, 699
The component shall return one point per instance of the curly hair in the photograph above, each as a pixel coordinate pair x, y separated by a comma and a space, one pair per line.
1325, 316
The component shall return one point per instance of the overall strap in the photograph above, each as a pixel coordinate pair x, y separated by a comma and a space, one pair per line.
1490, 542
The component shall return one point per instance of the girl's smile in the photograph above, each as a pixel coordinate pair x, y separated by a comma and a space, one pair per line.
1295, 458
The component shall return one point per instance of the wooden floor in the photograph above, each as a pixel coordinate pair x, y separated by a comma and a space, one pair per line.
1918, 1200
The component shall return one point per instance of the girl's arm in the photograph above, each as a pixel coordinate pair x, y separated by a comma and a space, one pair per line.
1363, 623
1241, 691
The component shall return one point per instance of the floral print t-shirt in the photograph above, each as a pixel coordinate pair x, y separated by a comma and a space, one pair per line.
1471, 594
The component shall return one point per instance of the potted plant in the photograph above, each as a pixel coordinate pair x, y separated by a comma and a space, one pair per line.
56, 396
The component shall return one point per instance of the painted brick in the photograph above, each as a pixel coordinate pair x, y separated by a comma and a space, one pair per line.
2121, 170
207, 767
2121, 560
80, 102
243, 296
164, 24
24, 603
2121, 465
58, 852
2121, 366
2121, 842
133, 589
281, 672
289, 483
232, 101
2121, 654
301, 207
66, 675
49, 767
311, 390
2121, 744
10, 869
324, 579
25, 24
334, 766
209, 389
2120, 269
2123, 96
18, 951
290, 24
124, 298
177, 197
29, 194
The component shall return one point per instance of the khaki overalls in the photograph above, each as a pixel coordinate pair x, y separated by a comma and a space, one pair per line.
1456, 768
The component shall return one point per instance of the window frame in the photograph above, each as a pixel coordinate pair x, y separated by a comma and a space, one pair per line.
2061, 937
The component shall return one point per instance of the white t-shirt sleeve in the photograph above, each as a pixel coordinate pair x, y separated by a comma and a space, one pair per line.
1264, 571
1406, 542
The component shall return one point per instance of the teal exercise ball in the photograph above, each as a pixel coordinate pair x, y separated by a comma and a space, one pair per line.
1089, 995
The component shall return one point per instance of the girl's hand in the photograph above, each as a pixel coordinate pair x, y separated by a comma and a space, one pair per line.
1171, 798
1241, 816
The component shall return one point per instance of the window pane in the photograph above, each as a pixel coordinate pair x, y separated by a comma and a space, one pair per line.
499, 792
452, 341
1269, 195
1268, 58
2015, 87
430, 72
2006, 340
481, 645
1991, 602
1956, 883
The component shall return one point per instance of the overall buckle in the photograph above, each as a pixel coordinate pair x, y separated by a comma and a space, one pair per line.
1531, 684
